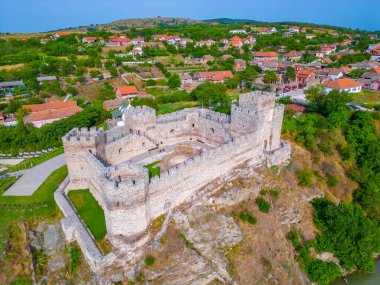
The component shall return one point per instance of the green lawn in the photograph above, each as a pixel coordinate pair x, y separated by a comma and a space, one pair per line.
366, 98
90, 212
153, 171
172, 107
40, 205
6, 183
33, 161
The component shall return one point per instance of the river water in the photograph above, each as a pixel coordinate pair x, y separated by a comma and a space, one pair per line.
363, 279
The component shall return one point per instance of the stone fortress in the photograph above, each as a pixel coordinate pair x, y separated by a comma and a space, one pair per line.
111, 164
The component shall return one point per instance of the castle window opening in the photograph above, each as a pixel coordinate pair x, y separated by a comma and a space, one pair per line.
172, 131
193, 126
119, 150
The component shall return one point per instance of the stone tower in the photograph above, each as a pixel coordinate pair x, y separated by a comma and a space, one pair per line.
258, 113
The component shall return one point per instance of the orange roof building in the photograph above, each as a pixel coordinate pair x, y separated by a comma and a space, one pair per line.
43, 114
344, 84
265, 55
214, 76
126, 92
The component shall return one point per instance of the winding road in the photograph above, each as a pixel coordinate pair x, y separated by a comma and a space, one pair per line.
33, 178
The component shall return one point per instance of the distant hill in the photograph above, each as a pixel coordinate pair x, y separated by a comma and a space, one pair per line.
229, 21
121, 25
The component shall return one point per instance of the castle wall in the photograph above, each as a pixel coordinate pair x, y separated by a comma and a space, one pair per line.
100, 161
178, 184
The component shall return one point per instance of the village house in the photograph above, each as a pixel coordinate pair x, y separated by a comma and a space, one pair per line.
226, 56
7, 88
214, 76
236, 41
310, 36
42, 79
292, 55
344, 84
44, 41
60, 34
372, 36
328, 49
186, 80
317, 53
371, 79
42, 114
368, 64
7, 120
209, 43
304, 76
267, 30
294, 29
93, 40
239, 65
166, 38
287, 35
138, 41
328, 73
234, 32
126, 92
110, 105
265, 55
137, 50
374, 50
122, 40
205, 59
184, 41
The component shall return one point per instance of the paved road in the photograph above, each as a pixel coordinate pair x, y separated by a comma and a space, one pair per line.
32, 178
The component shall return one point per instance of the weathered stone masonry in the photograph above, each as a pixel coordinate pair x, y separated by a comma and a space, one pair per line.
100, 160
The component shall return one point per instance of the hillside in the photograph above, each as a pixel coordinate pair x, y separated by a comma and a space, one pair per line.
134, 23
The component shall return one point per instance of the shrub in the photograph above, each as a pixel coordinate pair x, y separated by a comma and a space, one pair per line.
332, 180
149, 260
305, 177
75, 255
263, 205
248, 217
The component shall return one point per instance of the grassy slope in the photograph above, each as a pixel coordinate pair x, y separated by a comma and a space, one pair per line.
90, 212
40, 204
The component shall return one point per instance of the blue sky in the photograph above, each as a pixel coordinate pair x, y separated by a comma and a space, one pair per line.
44, 15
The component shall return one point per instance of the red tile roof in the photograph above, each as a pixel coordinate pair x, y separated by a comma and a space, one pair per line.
51, 114
127, 90
216, 75
265, 54
50, 106
375, 70
343, 83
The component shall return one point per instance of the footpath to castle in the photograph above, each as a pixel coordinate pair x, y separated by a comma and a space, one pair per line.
33, 178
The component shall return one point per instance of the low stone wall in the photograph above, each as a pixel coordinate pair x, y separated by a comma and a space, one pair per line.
75, 230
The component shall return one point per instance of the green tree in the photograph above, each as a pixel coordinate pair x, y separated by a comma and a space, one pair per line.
325, 104
209, 93
71, 90
174, 81
290, 73
270, 76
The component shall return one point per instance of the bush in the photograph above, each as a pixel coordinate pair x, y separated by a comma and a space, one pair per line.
248, 217
305, 177
263, 205
150, 82
332, 180
149, 260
